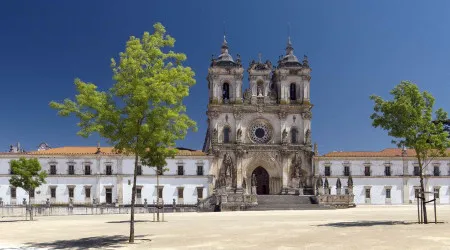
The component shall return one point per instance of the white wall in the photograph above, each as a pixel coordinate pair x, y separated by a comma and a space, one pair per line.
378, 182
122, 172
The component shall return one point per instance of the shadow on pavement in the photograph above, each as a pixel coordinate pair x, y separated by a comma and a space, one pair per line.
5, 221
127, 221
102, 242
365, 223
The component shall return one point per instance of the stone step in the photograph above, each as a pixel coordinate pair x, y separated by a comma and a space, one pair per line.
286, 202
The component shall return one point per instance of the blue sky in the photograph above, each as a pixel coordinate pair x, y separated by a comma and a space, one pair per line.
355, 49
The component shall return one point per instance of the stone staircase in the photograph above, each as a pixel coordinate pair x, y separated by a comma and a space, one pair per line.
286, 202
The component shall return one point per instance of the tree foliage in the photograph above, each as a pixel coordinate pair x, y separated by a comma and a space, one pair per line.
27, 175
409, 119
142, 113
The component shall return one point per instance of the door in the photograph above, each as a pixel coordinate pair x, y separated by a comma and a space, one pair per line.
108, 195
262, 181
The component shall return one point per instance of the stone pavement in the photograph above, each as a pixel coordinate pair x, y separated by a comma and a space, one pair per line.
363, 227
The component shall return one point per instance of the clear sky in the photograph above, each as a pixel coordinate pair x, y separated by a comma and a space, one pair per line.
355, 49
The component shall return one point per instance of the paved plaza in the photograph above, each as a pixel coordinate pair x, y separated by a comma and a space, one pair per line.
364, 227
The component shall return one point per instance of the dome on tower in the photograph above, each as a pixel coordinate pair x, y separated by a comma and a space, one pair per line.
289, 60
224, 59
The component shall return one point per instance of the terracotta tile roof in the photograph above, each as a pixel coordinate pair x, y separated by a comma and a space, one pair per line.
103, 151
388, 152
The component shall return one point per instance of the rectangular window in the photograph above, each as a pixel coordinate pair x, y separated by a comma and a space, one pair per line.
11, 171
108, 170
71, 170
138, 193
387, 171
52, 169
367, 193
416, 171
346, 170
416, 192
367, 171
200, 192
87, 169
160, 193
327, 171
71, 192
180, 170
388, 193
199, 170
87, 192
32, 193
13, 193
436, 193
139, 170
180, 192
346, 191
436, 171
53, 192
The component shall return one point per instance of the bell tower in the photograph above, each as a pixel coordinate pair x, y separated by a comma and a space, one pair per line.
225, 78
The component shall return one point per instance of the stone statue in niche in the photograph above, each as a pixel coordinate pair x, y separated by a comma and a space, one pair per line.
259, 89
308, 137
284, 135
229, 171
253, 180
296, 166
238, 134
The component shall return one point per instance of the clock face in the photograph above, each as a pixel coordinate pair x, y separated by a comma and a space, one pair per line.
260, 132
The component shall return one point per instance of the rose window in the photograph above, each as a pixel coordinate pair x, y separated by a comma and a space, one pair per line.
260, 132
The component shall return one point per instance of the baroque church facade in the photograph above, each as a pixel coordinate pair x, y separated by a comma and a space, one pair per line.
260, 138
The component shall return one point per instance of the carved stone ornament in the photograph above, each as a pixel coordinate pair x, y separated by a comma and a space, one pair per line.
282, 115
260, 109
213, 114
215, 135
237, 114
247, 95
308, 137
307, 115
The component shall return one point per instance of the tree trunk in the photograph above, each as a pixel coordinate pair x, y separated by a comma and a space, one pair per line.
133, 199
157, 194
424, 206
29, 203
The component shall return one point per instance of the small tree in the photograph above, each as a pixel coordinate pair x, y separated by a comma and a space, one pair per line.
27, 175
143, 113
409, 118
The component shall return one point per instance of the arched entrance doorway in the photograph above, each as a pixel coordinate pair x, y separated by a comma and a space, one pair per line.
262, 180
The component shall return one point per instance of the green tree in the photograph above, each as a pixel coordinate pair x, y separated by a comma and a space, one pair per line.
27, 175
409, 119
142, 113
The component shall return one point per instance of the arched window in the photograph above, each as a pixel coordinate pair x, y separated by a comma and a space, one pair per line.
226, 135
226, 92
294, 134
292, 92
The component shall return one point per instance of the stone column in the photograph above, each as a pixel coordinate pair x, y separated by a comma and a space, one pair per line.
239, 175
305, 85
